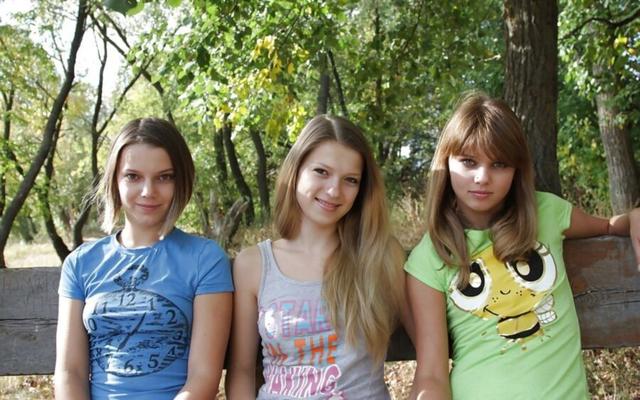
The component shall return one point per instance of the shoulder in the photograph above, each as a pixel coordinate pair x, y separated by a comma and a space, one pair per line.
424, 253
190, 242
554, 214
550, 204
90, 249
248, 259
425, 264
424, 248
546, 199
247, 269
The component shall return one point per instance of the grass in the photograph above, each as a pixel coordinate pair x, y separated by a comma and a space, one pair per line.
613, 374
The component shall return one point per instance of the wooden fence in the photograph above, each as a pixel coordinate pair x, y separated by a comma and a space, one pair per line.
602, 271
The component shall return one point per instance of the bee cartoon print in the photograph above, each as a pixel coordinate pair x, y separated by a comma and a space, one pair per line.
516, 292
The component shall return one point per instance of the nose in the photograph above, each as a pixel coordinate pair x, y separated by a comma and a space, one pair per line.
147, 188
481, 175
334, 188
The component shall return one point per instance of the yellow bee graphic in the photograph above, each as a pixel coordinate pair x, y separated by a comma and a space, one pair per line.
518, 292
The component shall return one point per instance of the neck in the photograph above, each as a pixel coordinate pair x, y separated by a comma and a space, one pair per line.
477, 222
132, 237
316, 239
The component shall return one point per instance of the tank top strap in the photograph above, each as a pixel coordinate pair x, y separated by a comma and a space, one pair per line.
268, 266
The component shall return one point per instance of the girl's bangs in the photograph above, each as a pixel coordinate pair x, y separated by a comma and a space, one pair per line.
492, 143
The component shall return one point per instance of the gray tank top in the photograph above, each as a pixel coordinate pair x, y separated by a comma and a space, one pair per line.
302, 355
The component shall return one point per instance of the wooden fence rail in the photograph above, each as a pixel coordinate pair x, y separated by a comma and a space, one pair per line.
603, 274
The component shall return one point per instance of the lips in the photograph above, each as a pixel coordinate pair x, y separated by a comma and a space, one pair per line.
148, 207
479, 194
326, 205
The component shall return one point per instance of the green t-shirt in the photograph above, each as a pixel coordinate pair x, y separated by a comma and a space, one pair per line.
514, 328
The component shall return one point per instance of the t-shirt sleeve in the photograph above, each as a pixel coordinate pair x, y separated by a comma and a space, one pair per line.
425, 265
71, 285
214, 270
554, 215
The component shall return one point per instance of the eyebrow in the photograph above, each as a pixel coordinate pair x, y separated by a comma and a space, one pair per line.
164, 171
320, 163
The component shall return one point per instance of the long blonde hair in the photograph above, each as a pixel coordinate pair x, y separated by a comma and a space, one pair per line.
362, 282
481, 123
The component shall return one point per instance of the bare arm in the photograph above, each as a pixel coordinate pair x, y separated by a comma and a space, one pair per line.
585, 225
71, 378
210, 334
431, 380
240, 382
406, 316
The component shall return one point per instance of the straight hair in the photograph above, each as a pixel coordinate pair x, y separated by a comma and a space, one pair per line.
363, 278
154, 132
487, 125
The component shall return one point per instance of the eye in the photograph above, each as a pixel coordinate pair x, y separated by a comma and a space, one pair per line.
537, 271
320, 171
499, 165
468, 162
353, 181
131, 177
473, 296
166, 177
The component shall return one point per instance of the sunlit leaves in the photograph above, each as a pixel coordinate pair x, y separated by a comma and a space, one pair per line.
132, 7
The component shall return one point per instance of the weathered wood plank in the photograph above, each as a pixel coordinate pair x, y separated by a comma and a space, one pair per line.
605, 282
28, 312
606, 288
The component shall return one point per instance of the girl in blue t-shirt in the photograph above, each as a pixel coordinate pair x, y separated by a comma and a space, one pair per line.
144, 313
489, 274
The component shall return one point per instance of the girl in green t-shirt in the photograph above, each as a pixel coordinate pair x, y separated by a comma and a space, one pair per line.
489, 273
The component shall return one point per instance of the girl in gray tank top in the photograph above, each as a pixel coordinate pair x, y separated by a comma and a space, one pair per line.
322, 301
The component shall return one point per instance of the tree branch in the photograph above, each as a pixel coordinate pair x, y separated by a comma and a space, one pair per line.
611, 24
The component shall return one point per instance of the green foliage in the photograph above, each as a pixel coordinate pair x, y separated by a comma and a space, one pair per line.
256, 65
598, 47
132, 7
582, 163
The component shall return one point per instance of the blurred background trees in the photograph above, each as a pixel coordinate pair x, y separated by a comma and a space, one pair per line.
240, 78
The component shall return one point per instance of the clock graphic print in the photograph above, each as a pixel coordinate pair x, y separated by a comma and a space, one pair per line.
135, 332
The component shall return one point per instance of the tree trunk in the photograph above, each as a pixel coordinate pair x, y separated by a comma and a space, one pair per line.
241, 184
261, 174
47, 135
531, 81
336, 77
218, 148
6, 136
624, 179
323, 91
43, 198
95, 137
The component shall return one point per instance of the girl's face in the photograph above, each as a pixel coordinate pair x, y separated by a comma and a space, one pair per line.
328, 183
480, 185
146, 186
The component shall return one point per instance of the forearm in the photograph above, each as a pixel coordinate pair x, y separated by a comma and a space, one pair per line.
197, 387
430, 388
71, 386
240, 384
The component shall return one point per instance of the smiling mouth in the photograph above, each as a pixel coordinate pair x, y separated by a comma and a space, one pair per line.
327, 205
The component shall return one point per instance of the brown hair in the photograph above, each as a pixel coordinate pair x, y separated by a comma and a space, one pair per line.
155, 132
484, 124
363, 279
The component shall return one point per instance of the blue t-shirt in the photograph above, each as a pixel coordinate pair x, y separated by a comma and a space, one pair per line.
139, 309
